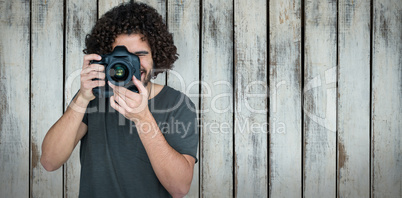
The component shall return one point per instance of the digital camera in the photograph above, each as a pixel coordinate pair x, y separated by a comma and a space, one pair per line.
120, 67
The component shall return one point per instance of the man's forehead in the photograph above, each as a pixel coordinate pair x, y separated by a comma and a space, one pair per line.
135, 43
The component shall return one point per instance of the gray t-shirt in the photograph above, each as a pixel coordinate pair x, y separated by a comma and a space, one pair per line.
114, 162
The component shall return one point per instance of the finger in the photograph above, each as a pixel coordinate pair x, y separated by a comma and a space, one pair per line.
93, 75
122, 102
122, 91
92, 84
130, 103
93, 67
141, 89
89, 57
116, 106
98, 83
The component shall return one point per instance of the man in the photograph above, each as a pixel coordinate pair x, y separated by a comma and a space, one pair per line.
151, 151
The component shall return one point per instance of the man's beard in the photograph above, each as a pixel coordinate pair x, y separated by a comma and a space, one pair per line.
147, 78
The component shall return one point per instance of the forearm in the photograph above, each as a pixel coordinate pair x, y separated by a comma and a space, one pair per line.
173, 170
61, 138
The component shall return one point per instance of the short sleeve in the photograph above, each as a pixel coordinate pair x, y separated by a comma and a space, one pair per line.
183, 132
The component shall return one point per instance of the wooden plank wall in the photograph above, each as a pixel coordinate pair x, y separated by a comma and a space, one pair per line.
386, 99
319, 125
285, 94
47, 22
250, 98
353, 178
14, 99
217, 99
296, 98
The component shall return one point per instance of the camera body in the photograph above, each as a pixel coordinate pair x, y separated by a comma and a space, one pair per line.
120, 67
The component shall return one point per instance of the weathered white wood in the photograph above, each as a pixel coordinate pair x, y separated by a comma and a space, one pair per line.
106, 5
159, 5
80, 18
217, 99
46, 89
387, 99
14, 99
320, 99
353, 177
251, 169
285, 98
183, 21
251, 93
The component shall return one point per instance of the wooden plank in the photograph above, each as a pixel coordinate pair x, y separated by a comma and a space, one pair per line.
353, 177
217, 99
160, 6
251, 106
320, 99
78, 24
285, 98
387, 99
106, 5
46, 91
14, 97
183, 21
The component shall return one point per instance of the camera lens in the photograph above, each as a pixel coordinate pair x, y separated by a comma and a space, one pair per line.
119, 72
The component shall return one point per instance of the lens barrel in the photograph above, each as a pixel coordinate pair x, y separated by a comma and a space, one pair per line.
120, 67
119, 72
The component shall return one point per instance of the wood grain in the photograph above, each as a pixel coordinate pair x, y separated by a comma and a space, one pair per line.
217, 99
14, 97
387, 99
251, 106
285, 98
78, 24
106, 5
233, 44
46, 89
354, 99
183, 21
320, 99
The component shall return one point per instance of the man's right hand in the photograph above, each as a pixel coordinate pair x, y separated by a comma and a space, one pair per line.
65, 134
88, 73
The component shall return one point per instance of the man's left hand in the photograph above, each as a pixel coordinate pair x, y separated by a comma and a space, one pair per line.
133, 106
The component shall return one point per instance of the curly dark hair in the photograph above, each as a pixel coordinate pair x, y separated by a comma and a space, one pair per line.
134, 18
